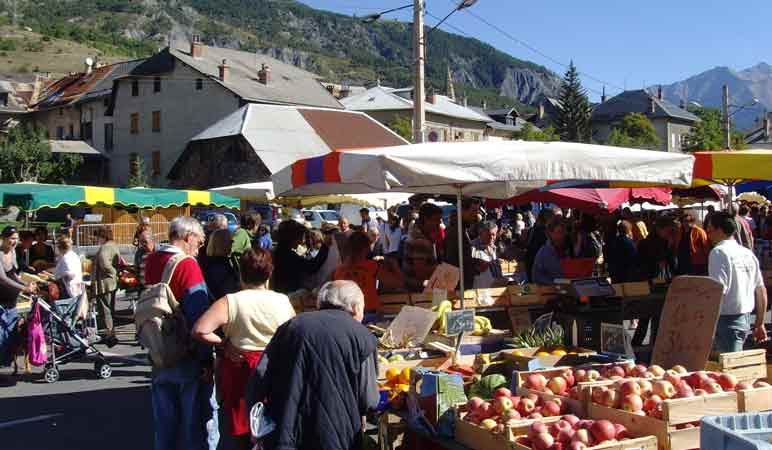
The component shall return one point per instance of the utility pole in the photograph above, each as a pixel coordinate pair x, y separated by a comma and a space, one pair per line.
727, 126
419, 94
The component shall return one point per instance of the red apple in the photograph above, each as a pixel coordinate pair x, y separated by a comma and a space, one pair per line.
602, 430
537, 428
743, 385
761, 384
550, 409
535, 415
474, 404
696, 379
580, 375
586, 423
714, 375
526, 406
543, 441
502, 404
559, 425
713, 388
657, 370
646, 386
575, 393
510, 414
680, 369
558, 385
535, 381
568, 375
534, 398
485, 410
673, 378
565, 435
610, 398
620, 432
652, 402
683, 390
515, 401
577, 445
499, 428
639, 370
658, 411
502, 392
698, 392
572, 419
629, 387
616, 371
472, 418
628, 366
593, 375
632, 403
664, 389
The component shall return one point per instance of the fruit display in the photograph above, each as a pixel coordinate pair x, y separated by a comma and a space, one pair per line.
505, 409
482, 325
397, 385
487, 385
572, 433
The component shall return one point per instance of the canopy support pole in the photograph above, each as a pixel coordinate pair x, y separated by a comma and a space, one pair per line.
459, 223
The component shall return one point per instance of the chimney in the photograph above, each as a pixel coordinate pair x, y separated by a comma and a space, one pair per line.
196, 49
652, 105
223, 71
430, 97
603, 97
345, 91
659, 92
485, 105
89, 66
541, 111
264, 75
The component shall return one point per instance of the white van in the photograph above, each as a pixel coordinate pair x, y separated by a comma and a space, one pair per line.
318, 217
351, 212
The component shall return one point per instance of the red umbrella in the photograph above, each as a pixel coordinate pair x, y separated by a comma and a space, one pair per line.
590, 199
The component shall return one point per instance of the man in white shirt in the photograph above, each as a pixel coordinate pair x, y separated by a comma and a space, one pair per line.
737, 268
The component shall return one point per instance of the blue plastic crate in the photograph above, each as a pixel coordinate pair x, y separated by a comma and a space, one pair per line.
751, 431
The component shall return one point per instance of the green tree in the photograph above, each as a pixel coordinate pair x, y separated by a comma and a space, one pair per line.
708, 133
137, 175
403, 127
636, 131
530, 133
25, 156
573, 121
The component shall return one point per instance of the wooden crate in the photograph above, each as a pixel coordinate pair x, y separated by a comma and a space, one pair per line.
431, 363
641, 443
748, 365
675, 412
754, 400
393, 303
523, 358
478, 438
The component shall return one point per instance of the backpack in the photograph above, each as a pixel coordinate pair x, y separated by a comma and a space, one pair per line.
160, 322
36, 339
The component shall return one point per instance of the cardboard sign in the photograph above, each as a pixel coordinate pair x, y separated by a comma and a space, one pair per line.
409, 328
459, 321
445, 276
688, 323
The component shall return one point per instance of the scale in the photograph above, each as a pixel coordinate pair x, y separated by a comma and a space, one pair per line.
584, 289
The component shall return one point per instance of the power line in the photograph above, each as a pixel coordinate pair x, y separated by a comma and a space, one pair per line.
537, 51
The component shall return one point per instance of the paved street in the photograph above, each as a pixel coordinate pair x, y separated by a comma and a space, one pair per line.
80, 411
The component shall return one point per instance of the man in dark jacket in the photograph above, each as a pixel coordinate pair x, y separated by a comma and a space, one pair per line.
318, 374
470, 208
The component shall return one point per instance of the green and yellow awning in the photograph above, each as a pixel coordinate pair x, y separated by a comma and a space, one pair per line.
33, 196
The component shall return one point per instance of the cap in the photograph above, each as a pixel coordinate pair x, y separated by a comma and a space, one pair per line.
9, 231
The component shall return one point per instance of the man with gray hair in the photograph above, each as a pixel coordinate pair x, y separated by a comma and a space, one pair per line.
317, 376
484, 251
181, 395
219, 222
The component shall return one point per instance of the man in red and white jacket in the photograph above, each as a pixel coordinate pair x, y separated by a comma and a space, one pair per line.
182, 395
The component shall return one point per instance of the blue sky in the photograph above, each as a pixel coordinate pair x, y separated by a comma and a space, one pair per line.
624, 43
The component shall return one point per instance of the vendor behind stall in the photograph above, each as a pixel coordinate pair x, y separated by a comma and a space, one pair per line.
737, 269
419, 255
470, 208
484, 250
546, 265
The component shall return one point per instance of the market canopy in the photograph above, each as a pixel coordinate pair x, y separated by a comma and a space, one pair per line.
497, 169
33, 196
731, 167
261, 192
589, 200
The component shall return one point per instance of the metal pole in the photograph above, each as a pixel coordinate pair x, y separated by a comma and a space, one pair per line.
419, 91
727, 126
460, 224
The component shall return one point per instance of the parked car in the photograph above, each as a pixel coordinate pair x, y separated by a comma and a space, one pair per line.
351, 212
208, 216
318, 217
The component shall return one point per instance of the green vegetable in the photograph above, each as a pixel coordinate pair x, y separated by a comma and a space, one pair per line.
487, 385
550, 337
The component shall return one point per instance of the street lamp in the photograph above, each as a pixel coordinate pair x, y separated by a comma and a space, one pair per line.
419, 43
727, 116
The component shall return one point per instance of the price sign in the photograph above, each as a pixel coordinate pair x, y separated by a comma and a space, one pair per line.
460, 321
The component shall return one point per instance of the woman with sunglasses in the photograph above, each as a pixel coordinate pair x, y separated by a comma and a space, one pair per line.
11, 285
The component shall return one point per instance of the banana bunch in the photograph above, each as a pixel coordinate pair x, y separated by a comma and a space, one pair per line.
482, 326
441, 309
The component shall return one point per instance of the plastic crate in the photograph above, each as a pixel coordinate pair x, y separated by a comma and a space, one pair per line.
751, 431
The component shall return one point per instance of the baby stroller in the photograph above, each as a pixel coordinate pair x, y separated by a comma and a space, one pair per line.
67, 337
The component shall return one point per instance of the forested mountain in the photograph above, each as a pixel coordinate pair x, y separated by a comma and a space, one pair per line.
340, 48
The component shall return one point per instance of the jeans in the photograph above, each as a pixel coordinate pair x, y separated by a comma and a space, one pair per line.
731, 332
184, 409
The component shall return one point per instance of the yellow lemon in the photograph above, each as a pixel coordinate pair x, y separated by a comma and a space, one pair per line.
392, 374
404, 376
402, 387
518, 353
542, 354
558, 352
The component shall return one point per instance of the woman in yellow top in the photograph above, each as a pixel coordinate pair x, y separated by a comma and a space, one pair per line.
248, 320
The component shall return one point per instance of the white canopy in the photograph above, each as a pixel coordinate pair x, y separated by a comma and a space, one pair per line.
255, 192
500, 169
